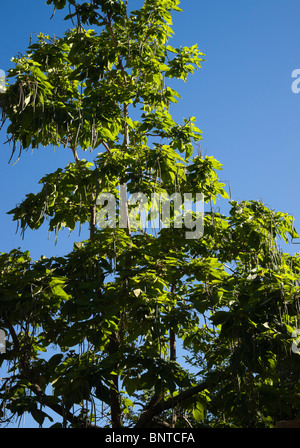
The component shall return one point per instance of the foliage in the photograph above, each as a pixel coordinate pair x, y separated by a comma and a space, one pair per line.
114, 310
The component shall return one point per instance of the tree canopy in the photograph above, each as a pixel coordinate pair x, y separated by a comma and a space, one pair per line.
138, 327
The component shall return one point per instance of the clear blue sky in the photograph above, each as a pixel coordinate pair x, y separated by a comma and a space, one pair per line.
242, 99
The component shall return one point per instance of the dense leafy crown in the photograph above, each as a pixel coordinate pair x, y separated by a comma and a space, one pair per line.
113, 309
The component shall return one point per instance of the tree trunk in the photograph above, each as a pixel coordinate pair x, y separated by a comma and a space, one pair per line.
116, 414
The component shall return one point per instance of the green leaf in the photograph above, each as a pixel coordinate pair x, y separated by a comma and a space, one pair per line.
198, 412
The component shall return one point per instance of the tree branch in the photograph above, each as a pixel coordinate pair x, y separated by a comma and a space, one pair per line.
116, 46
75, 156
172, 333
155, 409
105, 146
42, 398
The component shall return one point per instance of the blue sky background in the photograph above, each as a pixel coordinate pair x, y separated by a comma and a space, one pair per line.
242, 99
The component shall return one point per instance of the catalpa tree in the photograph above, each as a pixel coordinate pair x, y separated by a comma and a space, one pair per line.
92, 337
